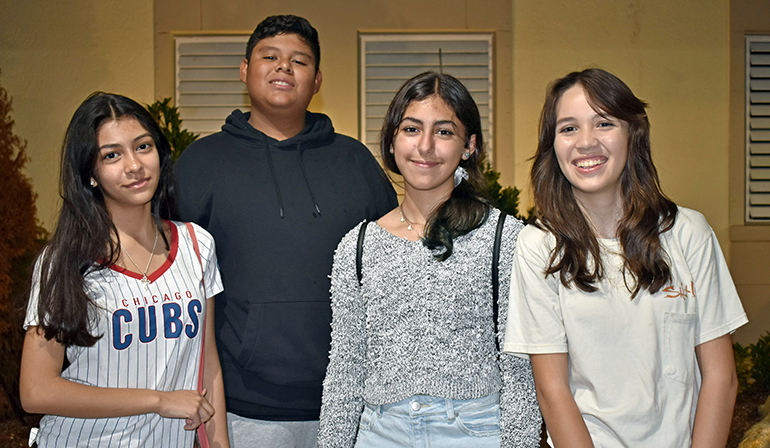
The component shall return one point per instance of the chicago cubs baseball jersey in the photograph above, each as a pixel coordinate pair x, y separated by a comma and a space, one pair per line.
151, 339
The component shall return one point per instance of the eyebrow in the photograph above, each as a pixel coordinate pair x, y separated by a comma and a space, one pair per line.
295, 52
435, 123
114, 145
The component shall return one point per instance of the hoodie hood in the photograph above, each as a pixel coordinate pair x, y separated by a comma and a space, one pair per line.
318, 132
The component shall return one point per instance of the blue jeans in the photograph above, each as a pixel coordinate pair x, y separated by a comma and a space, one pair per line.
422, 421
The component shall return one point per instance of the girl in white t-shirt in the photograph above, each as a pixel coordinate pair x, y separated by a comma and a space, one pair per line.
121, 292
622, 299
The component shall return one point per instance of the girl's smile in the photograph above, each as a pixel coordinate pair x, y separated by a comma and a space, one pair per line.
591, 147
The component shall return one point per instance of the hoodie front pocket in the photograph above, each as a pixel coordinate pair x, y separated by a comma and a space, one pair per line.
287, 343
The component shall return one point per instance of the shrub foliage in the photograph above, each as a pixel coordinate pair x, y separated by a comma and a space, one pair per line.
753, 364
170, 123
506, 199
18, 245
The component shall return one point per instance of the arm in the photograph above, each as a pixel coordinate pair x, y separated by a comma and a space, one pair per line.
719, 313
717, 393
520, 419
342, 400
44, 391
562, 416
216, 427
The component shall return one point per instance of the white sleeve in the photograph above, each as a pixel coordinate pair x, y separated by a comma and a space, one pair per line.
719, 308
32, 318
535, 323
212, 278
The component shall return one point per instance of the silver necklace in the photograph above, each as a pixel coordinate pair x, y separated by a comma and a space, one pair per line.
403, 219
145, 280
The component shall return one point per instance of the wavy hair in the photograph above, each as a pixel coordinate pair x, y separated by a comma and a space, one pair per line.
647, 212
85, 238
466, 209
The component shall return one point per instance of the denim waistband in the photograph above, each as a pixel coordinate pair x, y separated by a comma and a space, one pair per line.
423, 405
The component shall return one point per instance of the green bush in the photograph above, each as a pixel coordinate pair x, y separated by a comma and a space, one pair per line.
743, 366
19, 242
170, 123
752, 364
760, 358
506, 199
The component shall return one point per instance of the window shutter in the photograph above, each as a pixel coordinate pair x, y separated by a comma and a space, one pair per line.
386, 61
758, 128
208, 87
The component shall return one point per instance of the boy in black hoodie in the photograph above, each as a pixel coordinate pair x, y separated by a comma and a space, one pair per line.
278, 189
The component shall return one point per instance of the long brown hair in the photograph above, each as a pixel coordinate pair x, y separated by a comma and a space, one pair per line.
647, 212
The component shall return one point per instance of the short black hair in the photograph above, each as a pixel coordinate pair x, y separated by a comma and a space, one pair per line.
286, 24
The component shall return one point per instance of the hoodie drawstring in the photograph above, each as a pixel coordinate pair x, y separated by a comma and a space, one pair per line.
272, 174
304, 174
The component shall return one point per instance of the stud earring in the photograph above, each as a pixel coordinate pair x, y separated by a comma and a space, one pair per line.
391, 149
93, 183
467, 154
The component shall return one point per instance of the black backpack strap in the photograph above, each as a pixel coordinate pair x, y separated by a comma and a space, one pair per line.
360, 251
496, 271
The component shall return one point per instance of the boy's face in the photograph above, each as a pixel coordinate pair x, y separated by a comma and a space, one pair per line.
281, 75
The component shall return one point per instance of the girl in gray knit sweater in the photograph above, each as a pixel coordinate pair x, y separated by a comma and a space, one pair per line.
414, 361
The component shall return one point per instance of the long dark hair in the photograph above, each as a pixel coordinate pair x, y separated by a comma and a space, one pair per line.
647, 212
465, 209
85, 238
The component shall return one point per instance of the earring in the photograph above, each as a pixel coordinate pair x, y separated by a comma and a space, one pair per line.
467, 154
391, 149
93, 183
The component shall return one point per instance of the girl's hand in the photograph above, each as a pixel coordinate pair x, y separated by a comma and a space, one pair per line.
187, 404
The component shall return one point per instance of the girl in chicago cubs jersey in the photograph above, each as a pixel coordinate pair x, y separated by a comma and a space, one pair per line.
622, 299
121, 295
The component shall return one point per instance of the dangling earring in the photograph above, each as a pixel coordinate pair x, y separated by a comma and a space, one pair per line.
460, 175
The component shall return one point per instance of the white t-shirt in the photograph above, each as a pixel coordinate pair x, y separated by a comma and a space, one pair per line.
632, 365
151, 340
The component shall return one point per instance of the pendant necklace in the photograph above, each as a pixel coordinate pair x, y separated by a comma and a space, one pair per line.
145, 280
403, 219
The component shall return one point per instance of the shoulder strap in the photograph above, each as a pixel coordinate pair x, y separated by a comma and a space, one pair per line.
496, 270
194, 239
203, 329
203, 439
360, 251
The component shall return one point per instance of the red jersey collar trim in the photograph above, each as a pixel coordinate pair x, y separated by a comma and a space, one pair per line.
166, 264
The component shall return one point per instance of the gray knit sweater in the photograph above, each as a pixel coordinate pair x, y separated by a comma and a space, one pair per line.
420, 326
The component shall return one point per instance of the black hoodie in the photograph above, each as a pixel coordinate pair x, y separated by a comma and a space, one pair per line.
277, 210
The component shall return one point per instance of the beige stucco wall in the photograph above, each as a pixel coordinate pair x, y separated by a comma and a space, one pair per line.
674, 55
338, 23
750, 244
684, 58
52, 55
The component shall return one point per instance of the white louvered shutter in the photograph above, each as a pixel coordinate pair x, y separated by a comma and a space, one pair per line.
386, 61
757, 128
208, 88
